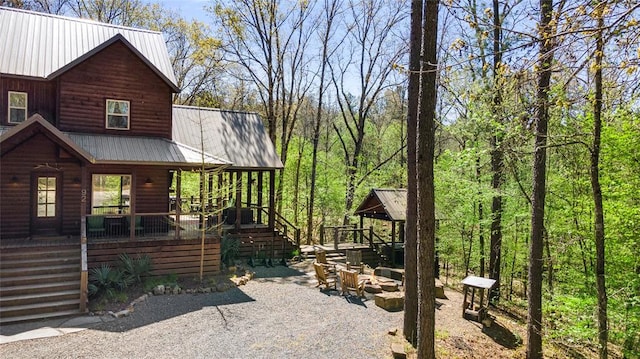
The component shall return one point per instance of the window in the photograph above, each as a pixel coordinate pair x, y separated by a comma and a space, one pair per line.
46, 196
118, 114
110, 194
17, 107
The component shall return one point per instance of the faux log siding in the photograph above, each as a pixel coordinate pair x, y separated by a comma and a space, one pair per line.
150, 198
15, 207
41, 97
114, 73
181, 257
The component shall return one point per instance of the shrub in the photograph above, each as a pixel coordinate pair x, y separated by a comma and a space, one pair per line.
229, 249
107, 281
135, 268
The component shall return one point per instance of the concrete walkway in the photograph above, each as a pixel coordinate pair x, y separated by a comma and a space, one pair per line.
49, 328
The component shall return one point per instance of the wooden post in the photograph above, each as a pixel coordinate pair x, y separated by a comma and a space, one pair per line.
249, 187
464, 301
132, 205
362, 229
238, 198
260, 175
178, 202
371, 237
335, 238
321, 234
84, 267
220, 203
393, 243
272, 198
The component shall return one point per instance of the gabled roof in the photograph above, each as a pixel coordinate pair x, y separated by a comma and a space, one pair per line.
109, 149
41, 45
384, 203
237, 137
37, 124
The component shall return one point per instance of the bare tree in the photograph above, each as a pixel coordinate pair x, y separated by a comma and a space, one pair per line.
372, 52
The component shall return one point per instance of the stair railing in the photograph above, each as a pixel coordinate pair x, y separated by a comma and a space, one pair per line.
284, 227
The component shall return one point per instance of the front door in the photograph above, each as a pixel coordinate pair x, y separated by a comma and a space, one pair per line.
46, 204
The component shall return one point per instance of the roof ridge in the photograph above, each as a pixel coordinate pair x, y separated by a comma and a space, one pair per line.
213, 109
78, 19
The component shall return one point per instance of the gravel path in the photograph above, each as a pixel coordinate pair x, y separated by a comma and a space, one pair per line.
278, 314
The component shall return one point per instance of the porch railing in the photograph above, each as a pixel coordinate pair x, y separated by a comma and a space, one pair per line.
149, 225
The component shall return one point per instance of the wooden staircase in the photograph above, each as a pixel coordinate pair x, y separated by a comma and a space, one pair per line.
269, 242
369, 256
39, 282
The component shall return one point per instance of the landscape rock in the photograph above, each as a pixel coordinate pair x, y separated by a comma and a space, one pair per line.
397, 349
158, 290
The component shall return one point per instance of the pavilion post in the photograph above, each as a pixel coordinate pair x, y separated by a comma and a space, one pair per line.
178, 201
272, 198
238, 198
84, 270
393, 243
260, 178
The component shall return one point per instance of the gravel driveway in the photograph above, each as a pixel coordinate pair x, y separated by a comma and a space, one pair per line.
278, 314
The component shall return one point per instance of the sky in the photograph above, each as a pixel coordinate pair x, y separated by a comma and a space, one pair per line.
189, 9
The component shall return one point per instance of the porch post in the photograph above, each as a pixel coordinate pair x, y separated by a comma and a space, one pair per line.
249, 186
178, 202
219, 199
238, 198
260, 175
393, 243
132, 205
272, 199
84, 271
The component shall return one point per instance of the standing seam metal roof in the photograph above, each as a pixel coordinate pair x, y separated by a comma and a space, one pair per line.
38, 45
237, 137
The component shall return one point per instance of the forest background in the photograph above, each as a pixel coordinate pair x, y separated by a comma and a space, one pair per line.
329, 78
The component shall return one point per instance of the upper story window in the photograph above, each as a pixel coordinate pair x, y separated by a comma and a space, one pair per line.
17, 107
118, 114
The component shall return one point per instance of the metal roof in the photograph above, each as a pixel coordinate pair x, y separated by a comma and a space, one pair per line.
110, 149
41, 45
385, 203
237, 137
140, 150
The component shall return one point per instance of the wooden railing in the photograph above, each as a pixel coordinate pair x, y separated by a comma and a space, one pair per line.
286, 228
150, 225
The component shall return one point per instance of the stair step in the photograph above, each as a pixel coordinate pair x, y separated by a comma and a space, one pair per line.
39, 278
39, 270
35, 308
30, 262
42, 252
21, 299
40, 288
24, 318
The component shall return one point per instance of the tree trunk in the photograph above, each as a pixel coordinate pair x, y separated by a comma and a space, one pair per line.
426, 200
603, 331
410, 245
545, 57
497, 164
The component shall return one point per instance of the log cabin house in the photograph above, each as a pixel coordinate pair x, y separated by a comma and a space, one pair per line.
93, 160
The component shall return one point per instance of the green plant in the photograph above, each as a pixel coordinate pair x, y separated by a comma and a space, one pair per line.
107, 281
152, 282
229, 249
135, 268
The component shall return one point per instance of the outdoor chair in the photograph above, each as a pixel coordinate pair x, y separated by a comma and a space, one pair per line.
321, 258
349, 281
95, 226
324, 277
354, 261
139, 229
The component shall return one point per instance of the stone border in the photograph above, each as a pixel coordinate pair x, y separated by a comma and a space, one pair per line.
175, 290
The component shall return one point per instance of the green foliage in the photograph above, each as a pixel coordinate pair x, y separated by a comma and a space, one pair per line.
107, 281
135, 268
229, 248
152, 282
